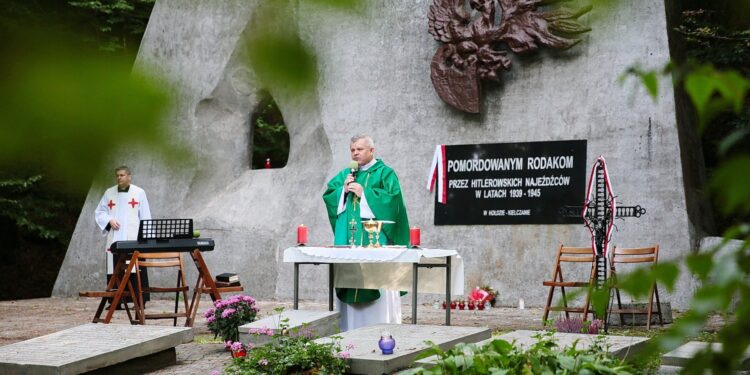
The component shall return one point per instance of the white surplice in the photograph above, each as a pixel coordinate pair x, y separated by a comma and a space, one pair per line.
129, 208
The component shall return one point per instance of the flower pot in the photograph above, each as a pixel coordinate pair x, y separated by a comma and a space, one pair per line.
471, 305
239, 353
480, 305
461, 305
453, 305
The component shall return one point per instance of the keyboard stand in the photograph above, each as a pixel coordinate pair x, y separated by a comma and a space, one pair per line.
119, 286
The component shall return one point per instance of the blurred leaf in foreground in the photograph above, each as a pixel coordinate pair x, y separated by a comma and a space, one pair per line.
66, 111
276, 50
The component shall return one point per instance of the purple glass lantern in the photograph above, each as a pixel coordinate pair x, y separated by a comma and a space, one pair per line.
386, 343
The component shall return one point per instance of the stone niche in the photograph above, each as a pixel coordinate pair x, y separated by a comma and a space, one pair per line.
375, 78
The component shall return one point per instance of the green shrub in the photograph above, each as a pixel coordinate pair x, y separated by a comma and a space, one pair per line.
291, 354
544, 357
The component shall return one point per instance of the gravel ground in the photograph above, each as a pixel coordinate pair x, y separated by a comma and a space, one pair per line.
24, 319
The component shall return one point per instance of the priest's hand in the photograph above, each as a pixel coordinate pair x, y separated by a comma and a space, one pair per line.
349, 180
114, 224
355, 188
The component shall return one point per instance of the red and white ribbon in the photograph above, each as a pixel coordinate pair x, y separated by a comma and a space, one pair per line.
612, 208
437, 174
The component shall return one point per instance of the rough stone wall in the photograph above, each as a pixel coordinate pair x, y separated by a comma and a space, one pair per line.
375, 78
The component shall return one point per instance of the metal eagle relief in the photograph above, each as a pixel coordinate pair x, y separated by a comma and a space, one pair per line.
475, 41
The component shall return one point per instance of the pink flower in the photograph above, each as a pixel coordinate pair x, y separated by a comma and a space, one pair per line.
345, 355
237, 345
215, 372
349, 346
250, 346
269, 332
211, 319
209, 312
253, 331
227, 313
263, 362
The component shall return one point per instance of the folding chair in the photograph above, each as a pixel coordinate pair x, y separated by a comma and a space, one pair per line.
163, 260
648, 255
570, 255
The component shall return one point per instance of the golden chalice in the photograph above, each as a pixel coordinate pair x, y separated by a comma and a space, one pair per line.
372, 227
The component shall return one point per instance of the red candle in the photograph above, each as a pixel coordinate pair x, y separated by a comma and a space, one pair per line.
302, 234
414, 236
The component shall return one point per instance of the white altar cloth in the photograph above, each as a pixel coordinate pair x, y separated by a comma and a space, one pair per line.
387, 268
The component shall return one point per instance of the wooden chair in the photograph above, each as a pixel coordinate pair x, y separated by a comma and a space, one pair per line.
640, 255
163, 260
570, 255
205, 284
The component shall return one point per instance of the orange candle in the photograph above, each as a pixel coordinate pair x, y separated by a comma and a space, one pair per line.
302, 234
414, 236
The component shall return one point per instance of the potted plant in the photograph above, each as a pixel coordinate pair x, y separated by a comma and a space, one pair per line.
461, 304
227, 315
239, 350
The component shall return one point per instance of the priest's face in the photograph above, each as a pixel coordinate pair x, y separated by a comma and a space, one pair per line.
362, 153
123, 178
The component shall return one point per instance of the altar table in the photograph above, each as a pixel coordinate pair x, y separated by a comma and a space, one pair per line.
387, 267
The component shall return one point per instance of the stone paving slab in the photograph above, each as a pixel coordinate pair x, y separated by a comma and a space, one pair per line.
318, 323
88, 347
366, 357
25, 319
681, 355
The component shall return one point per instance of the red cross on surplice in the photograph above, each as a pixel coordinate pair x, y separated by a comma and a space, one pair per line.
111, 204
132, 202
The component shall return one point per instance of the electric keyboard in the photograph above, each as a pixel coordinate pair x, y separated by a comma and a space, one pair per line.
162, 245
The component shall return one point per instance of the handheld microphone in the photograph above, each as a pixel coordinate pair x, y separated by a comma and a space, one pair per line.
353, 169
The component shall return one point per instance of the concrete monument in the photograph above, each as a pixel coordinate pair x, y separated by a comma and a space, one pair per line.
375, 78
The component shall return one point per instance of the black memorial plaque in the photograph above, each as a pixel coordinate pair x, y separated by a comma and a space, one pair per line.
513, 183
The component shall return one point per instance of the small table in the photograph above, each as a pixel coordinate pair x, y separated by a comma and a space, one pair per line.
120, 282
381, 267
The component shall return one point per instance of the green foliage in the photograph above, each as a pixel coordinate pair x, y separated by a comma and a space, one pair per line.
34, 215
543, 357
724, 271
66, 110
715, 37
227, 315
270, 134
709, 41
291, 353
116, 25
713, 92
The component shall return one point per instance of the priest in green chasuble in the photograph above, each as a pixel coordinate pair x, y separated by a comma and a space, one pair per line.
368, 190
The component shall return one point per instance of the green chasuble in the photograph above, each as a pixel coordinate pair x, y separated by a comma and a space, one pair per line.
383, 194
